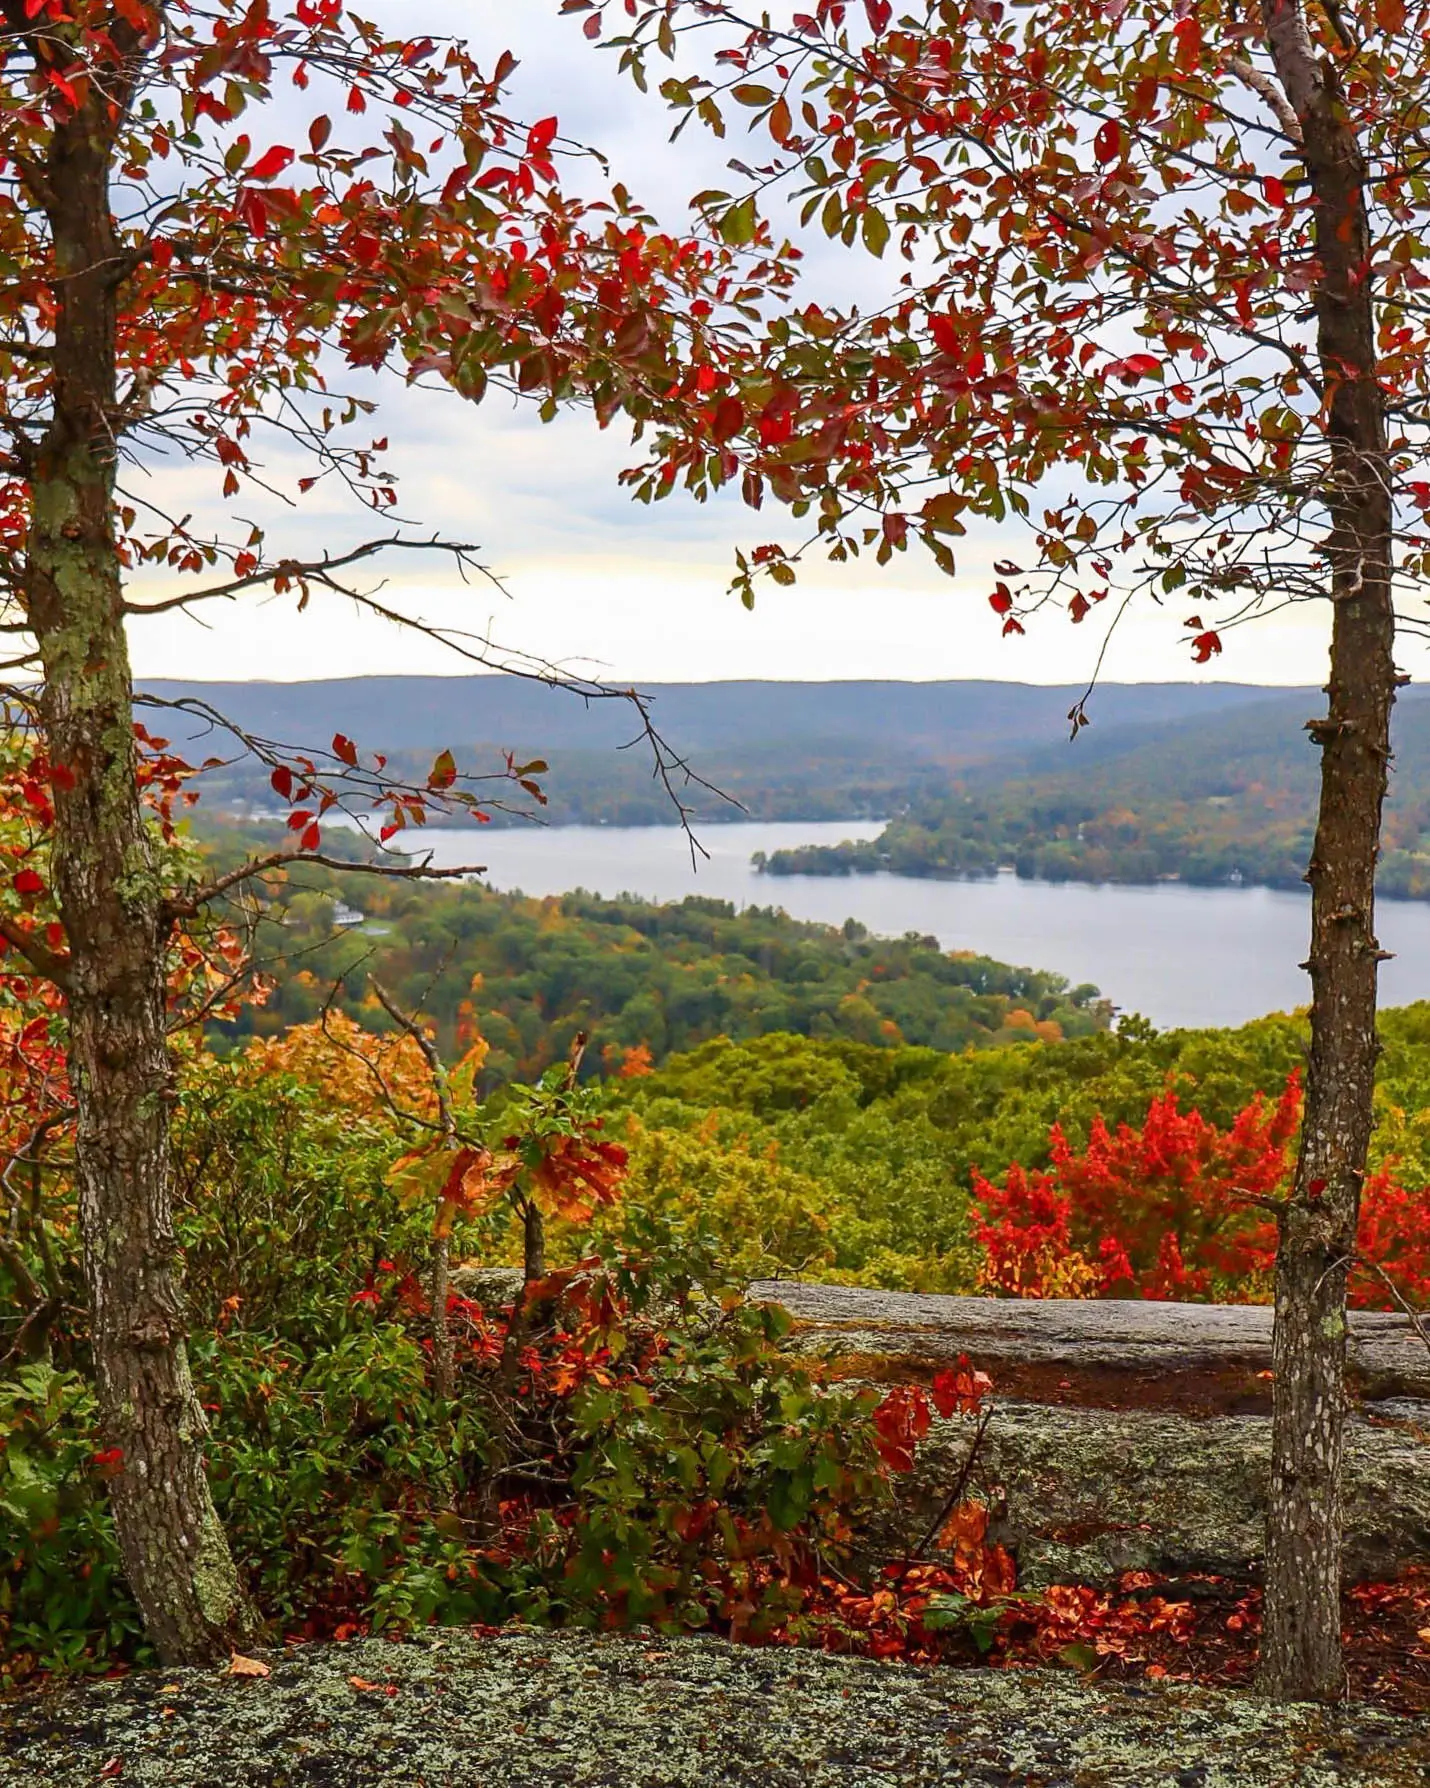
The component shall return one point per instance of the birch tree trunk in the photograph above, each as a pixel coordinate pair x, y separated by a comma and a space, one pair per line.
107, 885
1301, 1646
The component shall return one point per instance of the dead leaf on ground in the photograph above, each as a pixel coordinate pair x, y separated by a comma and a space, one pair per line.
238, 1665
372, 1688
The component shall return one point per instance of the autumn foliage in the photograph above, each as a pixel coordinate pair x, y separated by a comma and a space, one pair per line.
1178, 1209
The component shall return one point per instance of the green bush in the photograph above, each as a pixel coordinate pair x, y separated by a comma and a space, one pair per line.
63, 1603
637, 1446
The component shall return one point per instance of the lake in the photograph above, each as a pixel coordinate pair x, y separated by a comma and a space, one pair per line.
1178, 955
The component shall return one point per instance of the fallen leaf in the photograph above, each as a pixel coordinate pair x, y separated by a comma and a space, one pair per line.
238, 1665
373, 1688
114, 1767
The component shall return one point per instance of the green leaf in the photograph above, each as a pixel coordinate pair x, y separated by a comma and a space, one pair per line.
944, 1611
875, 231
738, 225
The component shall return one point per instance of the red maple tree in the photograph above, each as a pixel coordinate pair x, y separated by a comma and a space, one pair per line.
1178, 1209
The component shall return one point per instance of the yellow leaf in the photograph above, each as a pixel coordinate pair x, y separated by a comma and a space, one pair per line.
238, 1665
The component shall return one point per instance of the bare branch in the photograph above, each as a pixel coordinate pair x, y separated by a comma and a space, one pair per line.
189, 904
305, 570
429, 1053
1417, 1321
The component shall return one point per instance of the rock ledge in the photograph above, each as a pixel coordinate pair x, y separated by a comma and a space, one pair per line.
536, 1709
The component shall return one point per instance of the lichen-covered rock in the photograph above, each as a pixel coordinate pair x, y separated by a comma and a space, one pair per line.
1081, 1495
1148, 1346
537, 1710
489, 1287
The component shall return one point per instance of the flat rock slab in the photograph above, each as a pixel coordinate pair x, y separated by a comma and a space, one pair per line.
1202, 1357
534, 1710
1081, 1495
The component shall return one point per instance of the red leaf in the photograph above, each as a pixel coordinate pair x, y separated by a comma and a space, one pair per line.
271, 165
729, 418
1204, 646
538, 138
959, 1388
282, 780
311, 838
1134, 367
879, 13
444, 771
356, 102
29, 882
1107, 144
344, 748
1000, 601
297, 820
1274, 189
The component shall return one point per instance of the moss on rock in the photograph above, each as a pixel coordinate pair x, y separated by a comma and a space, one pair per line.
535, 1709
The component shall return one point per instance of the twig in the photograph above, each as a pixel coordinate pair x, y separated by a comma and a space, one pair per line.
1417, 1321
955, 1495
444, 1363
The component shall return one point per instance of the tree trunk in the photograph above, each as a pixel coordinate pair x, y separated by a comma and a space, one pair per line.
1301, 1647
108, 889
533, 1242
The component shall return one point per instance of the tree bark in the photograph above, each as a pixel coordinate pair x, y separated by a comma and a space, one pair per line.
1301, 1646
108, 889
533, 1242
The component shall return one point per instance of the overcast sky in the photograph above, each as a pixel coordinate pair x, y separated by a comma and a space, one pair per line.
640, 593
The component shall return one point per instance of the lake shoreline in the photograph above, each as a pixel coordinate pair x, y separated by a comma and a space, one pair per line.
1177, 953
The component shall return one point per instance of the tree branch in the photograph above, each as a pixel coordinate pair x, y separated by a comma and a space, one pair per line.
1266, 89
189, 904
1417, 1321
44, 961
429, 1053
298, 570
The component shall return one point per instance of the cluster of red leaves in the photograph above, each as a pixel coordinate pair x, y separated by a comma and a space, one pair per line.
578, 1174
961, 1604
904, 1417
1199, 1629
1170, 1210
